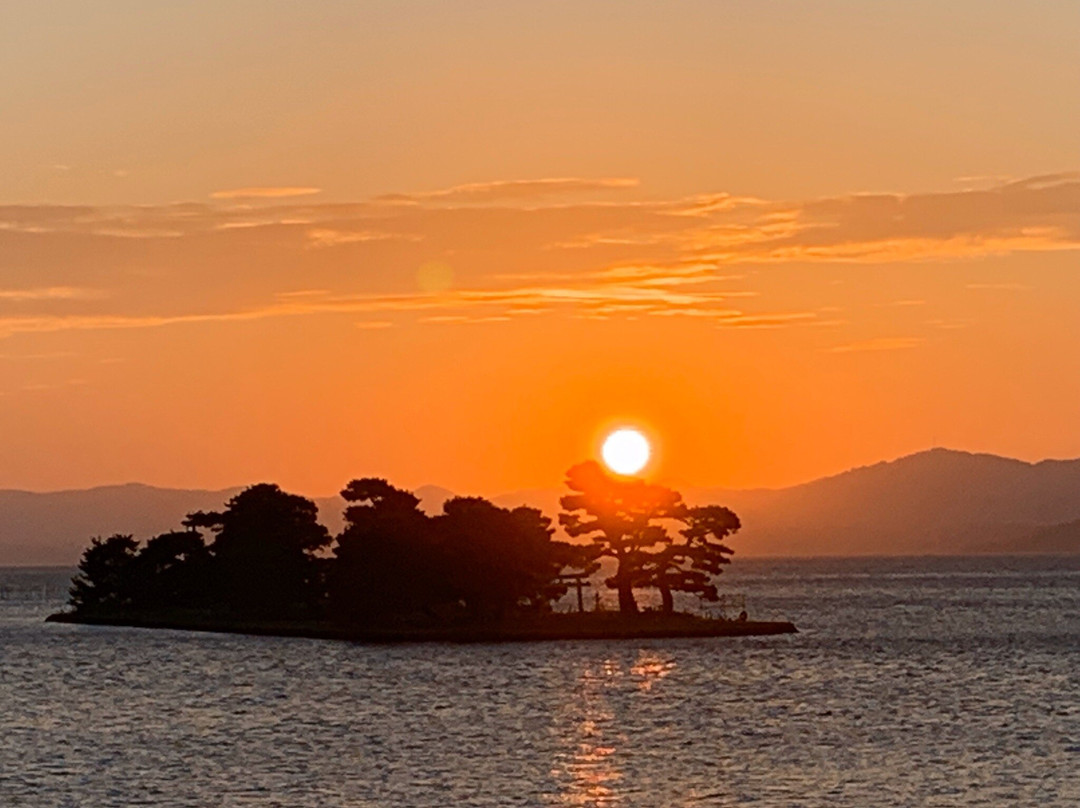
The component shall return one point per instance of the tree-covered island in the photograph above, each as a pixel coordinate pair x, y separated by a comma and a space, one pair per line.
475, 571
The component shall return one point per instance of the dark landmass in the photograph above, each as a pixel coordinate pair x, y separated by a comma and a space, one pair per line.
587, 626
472, 572
939, 502
50, 528
1061, 539
40, 529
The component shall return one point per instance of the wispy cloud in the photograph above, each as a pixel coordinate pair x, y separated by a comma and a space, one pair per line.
701, 257
41, 387
984, 180
1032, 215
1037, 214
880, 344
504, 190
34, 357
326, 237
268, 192
590, 299
50, 293
905, 303
1000, 287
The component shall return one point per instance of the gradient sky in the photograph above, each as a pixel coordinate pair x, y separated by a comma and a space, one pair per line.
453, 242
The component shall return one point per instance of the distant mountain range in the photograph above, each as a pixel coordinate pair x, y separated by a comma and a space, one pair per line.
938, 502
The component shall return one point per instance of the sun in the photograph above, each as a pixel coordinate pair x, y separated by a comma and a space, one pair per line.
625, 451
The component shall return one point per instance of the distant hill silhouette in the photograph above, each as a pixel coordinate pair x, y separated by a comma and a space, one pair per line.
1061, 539
53, 527
935, 502
432, 498
939, 501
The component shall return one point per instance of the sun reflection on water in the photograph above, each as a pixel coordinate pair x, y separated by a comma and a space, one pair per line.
595, 742
650, 668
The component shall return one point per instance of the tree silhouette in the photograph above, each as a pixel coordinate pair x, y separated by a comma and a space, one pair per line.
620, 516
173, 570
690, 565
105, 581
499, 558
628, 520
476, 559
385, 560
265, 551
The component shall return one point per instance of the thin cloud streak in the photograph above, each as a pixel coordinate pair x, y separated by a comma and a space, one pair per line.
265, 192
50, 293
499, 305
681, 257
504, 190
326, 237
1000, 287
1035, 215
880, 344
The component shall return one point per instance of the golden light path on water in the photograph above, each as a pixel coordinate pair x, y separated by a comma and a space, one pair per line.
588, 768
912, 681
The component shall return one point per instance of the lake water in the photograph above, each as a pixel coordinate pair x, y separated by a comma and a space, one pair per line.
913, 682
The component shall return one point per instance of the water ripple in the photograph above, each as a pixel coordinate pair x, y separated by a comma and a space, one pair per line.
925, 683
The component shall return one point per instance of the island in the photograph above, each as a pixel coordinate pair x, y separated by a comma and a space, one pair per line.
475, 572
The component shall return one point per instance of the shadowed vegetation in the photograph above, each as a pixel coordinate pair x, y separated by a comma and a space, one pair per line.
265, 557
629, 520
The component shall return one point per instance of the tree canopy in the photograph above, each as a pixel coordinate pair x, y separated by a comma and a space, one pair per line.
106, 574
266, 556
265, 550
630, 520
500, 558
474, 557
385, 561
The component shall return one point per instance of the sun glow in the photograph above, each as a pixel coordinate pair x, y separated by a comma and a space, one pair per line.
625, 451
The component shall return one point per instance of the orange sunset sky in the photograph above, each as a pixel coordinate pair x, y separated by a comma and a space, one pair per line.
454, 242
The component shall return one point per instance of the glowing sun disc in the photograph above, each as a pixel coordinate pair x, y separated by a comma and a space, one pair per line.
625, 451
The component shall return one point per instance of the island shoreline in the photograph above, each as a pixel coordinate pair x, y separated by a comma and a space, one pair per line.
560, 627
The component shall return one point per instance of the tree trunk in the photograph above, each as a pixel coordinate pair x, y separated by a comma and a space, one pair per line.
624, 582
667, 602
627, 604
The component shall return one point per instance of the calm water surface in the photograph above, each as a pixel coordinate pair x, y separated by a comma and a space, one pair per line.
918, 682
